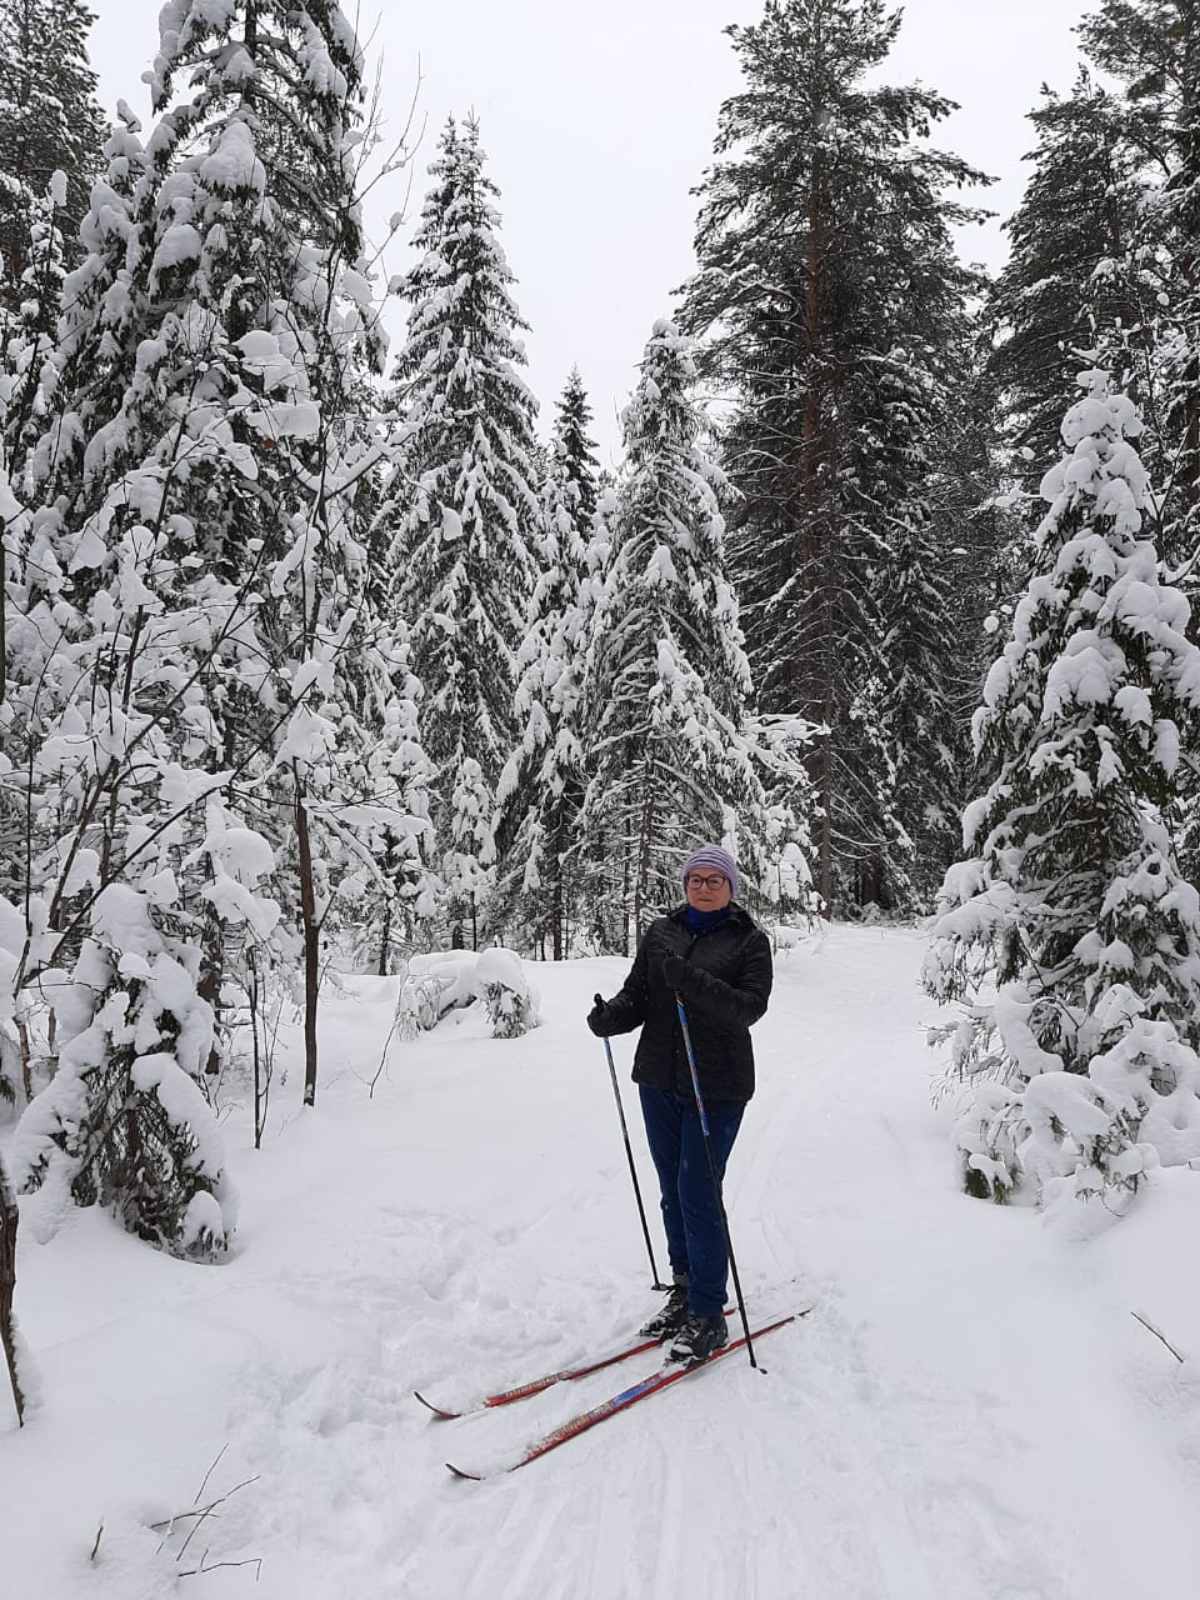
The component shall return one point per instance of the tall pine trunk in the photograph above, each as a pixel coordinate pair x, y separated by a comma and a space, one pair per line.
817, 676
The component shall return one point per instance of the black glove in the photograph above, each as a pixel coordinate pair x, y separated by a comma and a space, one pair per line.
674, 971
597, 1018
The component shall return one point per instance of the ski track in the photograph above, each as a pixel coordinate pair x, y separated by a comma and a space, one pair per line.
910, 1439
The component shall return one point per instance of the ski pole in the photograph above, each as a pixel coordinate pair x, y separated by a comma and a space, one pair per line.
612, 1072
712, 1172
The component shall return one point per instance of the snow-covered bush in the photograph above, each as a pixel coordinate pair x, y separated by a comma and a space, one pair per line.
511, 1002
433, 985
436, 984
124, 1122
1069, 935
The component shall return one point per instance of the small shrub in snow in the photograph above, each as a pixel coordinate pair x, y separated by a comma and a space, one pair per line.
1069, 934
510, 1001
124, 1122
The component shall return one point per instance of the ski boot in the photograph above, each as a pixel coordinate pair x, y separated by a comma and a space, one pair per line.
698, 1339
668, 1322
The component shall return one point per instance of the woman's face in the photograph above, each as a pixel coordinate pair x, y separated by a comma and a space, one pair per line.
708, 889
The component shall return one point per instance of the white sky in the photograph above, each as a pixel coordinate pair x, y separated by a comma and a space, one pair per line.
598, 117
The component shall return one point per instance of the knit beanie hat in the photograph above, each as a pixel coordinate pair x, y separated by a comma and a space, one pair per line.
712, 856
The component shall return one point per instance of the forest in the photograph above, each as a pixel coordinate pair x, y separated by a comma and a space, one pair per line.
324, 648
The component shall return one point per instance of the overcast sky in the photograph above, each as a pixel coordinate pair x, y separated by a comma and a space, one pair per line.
599, 118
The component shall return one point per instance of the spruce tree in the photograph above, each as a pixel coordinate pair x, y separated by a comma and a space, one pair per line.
1068, 280
541, 787
28, 368
49, 121
673, 756
1068, 933
463, 505
828, 276
1152, 49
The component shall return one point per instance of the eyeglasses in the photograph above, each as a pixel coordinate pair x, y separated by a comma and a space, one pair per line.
711, 884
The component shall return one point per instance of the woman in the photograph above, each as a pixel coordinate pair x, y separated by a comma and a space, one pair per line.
718, 960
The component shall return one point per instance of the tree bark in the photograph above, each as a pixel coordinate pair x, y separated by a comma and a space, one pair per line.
10, 1217
312, 947
385, 942
817, 692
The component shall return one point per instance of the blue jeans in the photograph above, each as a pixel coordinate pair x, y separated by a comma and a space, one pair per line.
695, 1237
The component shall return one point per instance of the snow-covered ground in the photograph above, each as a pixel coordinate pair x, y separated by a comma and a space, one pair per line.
971, 1410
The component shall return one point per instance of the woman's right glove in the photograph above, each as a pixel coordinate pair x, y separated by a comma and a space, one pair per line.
597, 1018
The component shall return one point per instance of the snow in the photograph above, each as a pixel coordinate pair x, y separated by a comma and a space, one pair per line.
971, 1409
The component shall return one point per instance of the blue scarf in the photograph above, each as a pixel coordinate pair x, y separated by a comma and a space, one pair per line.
705, 921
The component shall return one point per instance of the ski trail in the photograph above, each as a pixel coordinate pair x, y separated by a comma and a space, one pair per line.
955, 1417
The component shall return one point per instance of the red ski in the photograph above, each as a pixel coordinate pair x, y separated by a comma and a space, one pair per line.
523, 1391
656, 1382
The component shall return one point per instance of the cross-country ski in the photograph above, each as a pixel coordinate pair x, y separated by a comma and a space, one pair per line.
526, 1391
642, 1390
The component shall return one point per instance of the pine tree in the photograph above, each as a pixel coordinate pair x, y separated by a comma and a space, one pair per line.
824, 249
541, 787
1068, 933
463, 505
49, 121
672, 748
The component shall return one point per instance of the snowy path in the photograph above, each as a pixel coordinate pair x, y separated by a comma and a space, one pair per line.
970, 1411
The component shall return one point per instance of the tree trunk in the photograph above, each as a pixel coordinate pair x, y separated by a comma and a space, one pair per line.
10, 1217
212, 943
385, 941
312, 948
260, 1102
817, 693
556, 913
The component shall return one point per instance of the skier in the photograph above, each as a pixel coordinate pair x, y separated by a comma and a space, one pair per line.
713, 954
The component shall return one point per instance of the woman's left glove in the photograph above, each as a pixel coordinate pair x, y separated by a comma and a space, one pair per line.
597, 1018
674, 971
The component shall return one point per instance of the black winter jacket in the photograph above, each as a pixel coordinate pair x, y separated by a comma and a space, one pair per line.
725, 990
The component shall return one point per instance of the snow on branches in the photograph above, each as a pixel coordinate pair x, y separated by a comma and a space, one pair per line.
461, 506
210, 717
1068, 932
675, 757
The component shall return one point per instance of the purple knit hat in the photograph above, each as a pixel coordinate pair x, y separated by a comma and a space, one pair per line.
711, 855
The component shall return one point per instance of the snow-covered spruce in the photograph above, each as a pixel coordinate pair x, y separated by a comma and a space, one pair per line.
461, 507
124, 1122
50, 120
28, 369
540, 791
673, 748
1068, 933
